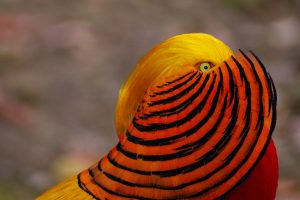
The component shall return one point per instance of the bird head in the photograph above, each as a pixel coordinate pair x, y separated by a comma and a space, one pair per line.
175, 55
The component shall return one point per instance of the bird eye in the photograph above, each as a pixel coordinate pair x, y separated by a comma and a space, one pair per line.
204, 67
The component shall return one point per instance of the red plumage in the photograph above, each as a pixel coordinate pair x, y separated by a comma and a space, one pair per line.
262, 181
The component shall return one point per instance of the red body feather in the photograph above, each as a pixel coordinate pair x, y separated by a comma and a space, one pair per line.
262, 182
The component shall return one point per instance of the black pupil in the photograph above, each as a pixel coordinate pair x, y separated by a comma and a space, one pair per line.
205, 67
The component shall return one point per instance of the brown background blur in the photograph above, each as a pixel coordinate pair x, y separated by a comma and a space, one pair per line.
62, 63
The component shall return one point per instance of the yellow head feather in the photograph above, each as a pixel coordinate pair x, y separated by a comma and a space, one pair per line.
66, 190
169, 57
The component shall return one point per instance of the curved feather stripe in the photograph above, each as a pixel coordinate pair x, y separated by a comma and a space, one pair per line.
154, 126
202, 108
176, 91
163, 107
186, 146
173, 81
171, 111
168, 90
200, 152
202, 113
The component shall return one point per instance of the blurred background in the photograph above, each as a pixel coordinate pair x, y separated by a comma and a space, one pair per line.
63, 62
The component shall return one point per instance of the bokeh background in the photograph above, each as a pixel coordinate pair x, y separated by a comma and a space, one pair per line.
62, 63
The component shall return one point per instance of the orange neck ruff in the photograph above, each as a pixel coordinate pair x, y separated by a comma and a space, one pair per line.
195, 136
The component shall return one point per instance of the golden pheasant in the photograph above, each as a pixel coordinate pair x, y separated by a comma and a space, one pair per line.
194, 121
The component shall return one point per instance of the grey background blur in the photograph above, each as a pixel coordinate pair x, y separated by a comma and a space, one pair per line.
62, 63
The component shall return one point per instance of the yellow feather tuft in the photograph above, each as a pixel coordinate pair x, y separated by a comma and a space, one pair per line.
67, 190
167, 58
